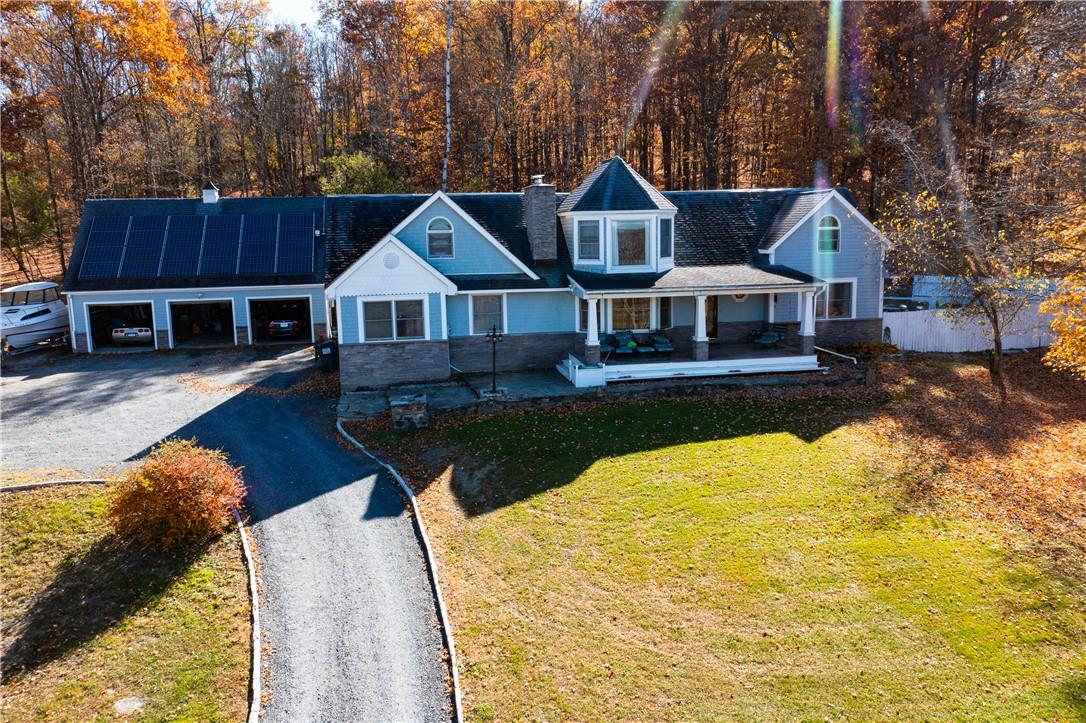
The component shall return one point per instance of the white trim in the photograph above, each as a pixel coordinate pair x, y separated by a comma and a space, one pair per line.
169, 316
71, 326
826, 291
772, 310
818, 233
471, 313
389, 239
362, 300
440, 196
133, 302
706, 291
239, 289
852, 212
249, 314
452, 237
546, 290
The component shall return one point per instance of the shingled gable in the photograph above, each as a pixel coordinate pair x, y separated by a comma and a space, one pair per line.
615, 186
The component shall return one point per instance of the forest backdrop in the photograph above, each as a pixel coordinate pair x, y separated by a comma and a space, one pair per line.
977, 105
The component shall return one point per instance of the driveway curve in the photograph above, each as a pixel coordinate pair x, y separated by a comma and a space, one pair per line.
350, 623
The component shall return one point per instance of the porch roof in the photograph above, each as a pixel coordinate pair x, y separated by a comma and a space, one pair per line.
698, 278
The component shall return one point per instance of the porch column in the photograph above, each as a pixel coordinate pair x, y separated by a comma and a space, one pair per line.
592, 338
701, 339
806, 323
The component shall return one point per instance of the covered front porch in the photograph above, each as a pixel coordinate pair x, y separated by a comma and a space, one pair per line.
685, 325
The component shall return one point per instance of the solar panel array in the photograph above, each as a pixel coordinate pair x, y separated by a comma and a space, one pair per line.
221, 245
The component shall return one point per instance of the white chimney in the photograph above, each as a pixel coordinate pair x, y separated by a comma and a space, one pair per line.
211, 193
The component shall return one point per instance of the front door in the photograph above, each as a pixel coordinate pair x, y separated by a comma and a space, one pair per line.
710, 317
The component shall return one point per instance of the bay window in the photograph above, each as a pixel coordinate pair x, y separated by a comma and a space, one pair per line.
665, 237
630, 243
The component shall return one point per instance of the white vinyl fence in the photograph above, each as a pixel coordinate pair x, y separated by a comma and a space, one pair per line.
944, 330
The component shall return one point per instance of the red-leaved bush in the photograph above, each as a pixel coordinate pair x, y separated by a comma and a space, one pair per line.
181, 494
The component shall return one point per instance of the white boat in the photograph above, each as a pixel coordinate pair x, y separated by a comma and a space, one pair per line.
30, 313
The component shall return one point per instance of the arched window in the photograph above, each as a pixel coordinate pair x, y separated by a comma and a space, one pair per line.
439, 239
829, 234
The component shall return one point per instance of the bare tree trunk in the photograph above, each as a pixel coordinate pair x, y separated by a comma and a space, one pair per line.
448, 95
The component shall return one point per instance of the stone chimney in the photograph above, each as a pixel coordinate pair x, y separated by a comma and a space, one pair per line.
540, 219
211, 193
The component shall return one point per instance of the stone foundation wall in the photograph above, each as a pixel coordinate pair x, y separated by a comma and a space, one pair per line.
80, 342
515, 351
163, 338
844, 331
243, 335
366, 366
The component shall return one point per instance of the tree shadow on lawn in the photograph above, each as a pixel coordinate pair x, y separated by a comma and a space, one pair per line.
537, 451
90, 594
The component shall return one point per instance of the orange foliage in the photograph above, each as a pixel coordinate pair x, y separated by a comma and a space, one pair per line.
1068, 309
181, 494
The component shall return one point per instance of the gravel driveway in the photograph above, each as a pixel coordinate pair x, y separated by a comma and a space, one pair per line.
348, 613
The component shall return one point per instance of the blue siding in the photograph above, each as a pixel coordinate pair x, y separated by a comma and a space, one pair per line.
728, 309
682, 310
347, 309
860, 256
458, 309
472, 254
159, 299
786, 309
540, 312
436, 322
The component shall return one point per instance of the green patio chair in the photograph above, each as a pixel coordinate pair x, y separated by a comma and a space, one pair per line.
644, 346
623, 342
663, 344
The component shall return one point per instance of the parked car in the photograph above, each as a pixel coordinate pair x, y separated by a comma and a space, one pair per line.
132, 335
284, 327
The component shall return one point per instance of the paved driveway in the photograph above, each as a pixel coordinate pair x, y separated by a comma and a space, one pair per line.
348, 612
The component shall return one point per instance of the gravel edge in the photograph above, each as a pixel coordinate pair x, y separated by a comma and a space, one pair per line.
431, 567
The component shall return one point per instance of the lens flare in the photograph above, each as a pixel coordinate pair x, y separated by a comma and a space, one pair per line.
661, 42
833, 54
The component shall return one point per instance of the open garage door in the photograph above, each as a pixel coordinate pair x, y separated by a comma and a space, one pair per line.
121, 326
202, 323
281, 320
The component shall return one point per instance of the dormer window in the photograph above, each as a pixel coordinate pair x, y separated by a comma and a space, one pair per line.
588, 240
829, 235
665, 237
439, 239
630, 243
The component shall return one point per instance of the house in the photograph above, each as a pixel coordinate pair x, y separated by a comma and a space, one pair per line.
411, 284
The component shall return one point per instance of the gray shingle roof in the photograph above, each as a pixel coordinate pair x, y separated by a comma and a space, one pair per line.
615, 186
695, 277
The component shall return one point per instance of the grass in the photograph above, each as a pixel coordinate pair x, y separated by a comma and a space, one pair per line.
737, 558
88, 621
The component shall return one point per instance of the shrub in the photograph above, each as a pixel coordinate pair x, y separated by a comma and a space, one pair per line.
181, 494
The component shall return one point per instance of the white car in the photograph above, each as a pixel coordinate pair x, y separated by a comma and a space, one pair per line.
132, 335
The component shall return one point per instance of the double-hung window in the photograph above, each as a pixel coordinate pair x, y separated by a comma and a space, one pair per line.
836, 301
666, 240
439, 239
402, 319
487, 314
630, 243
588, 240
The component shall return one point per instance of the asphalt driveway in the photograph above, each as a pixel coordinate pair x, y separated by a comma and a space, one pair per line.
349, 616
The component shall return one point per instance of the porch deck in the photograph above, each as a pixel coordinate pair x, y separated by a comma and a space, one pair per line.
725, 359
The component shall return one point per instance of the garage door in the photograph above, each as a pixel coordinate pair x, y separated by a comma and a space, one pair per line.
207, 323
121, 326
281, 320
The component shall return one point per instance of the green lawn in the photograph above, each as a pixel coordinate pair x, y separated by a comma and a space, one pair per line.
87, 622
732, 559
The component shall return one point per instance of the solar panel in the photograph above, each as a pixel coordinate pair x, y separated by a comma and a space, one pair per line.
182, 254
258, 243
220, 256
105, 243
144, 247
295, 243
